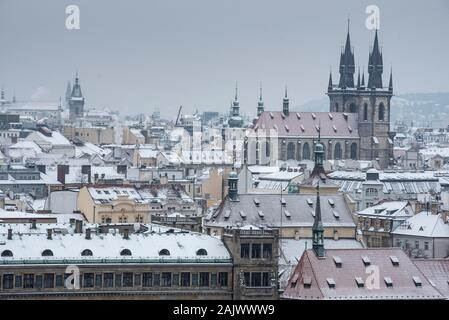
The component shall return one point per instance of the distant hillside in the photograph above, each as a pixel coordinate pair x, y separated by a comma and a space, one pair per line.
424, 109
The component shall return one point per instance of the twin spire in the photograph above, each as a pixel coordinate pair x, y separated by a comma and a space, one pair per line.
347, 68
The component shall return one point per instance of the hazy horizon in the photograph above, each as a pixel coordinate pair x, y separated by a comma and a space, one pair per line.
167, 53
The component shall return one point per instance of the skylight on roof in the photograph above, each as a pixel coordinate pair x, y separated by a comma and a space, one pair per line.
309, 202
336, 214
366, 261
338, 262
227, 214
394, 261
388, 282
256, 202
331, 202
287, 214
360, 282
283, 202
261, 215
242, 214
417, 281
331, 282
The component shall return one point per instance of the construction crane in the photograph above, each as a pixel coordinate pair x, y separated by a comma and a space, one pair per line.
179, 113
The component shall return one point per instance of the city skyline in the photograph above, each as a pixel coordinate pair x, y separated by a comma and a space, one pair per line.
165, 54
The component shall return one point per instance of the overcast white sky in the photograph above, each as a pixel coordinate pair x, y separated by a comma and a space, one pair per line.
139, 54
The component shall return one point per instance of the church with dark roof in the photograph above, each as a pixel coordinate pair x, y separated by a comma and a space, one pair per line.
356, 127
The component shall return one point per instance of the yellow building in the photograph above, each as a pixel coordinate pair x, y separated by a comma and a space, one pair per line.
113, 205
95, 135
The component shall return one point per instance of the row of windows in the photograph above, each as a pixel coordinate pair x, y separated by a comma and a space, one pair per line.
407, 245
306, 151
256, 251
353, 109
256, 279
110, 280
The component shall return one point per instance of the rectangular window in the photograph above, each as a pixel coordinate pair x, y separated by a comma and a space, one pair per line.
39, 281
175, 280
108, 280
147, 279
49, 280
98, 280
267, 250
223, 279
265, 279
28, 281
118, 280
166, 279
194, 279
185, 279
8, 281
137, 279
204, 279
416, 244
426, 245
157, 279
256, 251
88, 280
244, 251
213, 279
128, 278
18, 283
59, 280
246, 278
256, 279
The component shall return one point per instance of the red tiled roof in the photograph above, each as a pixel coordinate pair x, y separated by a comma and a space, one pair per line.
305, 124
352, 266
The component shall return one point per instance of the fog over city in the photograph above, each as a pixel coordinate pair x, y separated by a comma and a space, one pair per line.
162, 54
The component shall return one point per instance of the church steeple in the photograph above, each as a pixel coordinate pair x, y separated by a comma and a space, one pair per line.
285, 103
317, 228
390, 85
235, 103
260, 105
375, 65
76, 101
347, 64
329, 85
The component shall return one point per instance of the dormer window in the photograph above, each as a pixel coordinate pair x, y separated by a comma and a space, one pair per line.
338, 262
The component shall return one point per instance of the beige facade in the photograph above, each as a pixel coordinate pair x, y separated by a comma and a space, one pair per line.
132, 136
95, 135
121, 210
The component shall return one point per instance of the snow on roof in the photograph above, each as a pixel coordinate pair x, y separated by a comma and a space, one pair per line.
56, 138
35, 105
424, 224
148, 153
24, 144
180, 246
102, 194
281, 175
390, 209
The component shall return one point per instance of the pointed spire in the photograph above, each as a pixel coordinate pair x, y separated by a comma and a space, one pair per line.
236, 89
375, 65
260, 97
317, 228
285, 103
347, 64
286, 94
260, 107
329, 85
390, 85
358, 79
363, 77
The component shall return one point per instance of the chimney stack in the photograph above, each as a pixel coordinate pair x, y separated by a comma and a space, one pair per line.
49, 234
78, 226
9, 234
126, 234
88, 231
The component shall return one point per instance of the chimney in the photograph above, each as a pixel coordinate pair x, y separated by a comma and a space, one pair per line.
88, 231
86, 169
9, 234
126, 234
33, 224
78, 226
61, 171
49, 234
41, 168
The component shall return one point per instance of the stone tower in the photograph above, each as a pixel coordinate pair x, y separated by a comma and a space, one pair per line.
371, 102
76, 101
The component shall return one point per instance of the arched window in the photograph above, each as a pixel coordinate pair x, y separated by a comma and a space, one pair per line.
298, 152
125, 252
354, 151
164, 252
336, 107
306, 151
47, 253
337, 151
381, 112
201, 252
324, 151
291, 150
86, 252
353, 108
365, 112
7, 253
